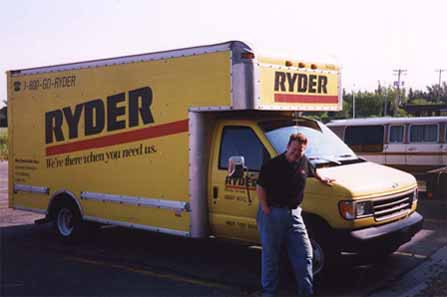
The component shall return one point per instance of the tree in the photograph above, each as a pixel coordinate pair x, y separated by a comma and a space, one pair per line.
4, 115
433, 94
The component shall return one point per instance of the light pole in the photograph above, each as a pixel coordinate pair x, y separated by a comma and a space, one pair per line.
439, 84
386, 102
385, 97
398, 84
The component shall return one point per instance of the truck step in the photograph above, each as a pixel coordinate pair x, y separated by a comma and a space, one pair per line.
41, 221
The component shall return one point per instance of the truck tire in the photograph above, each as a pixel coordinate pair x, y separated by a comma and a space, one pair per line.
67, 221
319, 258
325, 254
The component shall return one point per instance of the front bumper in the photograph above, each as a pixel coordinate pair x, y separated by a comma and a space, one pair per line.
390, 235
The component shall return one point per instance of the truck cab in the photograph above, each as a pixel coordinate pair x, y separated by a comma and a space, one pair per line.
360, 213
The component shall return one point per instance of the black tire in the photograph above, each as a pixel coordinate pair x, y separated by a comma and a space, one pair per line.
67, 221
326, 255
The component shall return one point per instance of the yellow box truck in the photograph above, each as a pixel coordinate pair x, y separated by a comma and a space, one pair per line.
146, 141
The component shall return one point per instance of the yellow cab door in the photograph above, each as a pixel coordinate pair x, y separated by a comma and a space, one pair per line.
233, 202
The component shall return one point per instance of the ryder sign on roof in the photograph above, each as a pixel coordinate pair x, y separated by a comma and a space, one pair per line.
286, 84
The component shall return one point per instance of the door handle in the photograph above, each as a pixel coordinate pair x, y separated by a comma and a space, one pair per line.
411, 149
215, 192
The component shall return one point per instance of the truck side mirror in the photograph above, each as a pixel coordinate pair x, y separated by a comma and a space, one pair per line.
236, 166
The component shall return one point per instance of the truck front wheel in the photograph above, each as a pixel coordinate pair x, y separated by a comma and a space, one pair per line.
319, 259
325, 252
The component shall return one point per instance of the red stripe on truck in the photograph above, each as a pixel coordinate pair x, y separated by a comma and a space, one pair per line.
290, 98
120, 138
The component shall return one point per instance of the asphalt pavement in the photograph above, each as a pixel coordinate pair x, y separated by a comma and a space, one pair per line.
124, 262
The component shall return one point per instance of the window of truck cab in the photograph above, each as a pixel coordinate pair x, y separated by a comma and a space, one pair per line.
424, 133
242, 141
323, 145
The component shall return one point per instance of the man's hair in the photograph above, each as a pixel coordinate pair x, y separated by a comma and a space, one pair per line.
298, 137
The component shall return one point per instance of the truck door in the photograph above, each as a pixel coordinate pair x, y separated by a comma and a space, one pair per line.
232, 201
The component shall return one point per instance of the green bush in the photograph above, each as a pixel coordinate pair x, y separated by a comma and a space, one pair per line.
3, 144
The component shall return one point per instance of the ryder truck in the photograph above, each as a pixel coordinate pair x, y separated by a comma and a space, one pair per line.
148, 141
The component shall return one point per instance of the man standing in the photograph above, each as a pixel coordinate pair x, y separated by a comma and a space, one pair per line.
280, 190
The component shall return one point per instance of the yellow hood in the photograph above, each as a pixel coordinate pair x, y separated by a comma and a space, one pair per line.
368, 179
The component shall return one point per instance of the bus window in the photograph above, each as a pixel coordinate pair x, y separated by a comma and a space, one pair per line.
424, 133
396, 134
365, 138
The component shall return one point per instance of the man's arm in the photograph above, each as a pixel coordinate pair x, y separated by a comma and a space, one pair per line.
262, 196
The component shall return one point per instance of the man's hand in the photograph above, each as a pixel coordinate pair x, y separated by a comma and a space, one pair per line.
327, 181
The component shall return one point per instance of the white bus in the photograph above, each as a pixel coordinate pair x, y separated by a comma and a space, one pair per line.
412, 144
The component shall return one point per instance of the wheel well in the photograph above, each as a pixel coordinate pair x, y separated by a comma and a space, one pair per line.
59, 199
315, 222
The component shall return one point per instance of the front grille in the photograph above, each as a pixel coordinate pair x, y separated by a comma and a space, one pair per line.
390, 207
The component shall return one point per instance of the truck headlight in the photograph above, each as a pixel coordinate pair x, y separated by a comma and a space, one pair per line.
363, 209
414, 196
351, 210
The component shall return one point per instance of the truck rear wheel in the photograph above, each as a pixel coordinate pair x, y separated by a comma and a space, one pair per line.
67, 221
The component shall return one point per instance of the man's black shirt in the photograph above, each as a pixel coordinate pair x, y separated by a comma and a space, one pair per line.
284, 182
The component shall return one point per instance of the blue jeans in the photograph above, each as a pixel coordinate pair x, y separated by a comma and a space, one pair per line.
284, 227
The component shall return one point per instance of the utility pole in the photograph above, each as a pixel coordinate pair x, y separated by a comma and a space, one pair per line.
384, 92
353, 102
386, 102
439, 84
398, 72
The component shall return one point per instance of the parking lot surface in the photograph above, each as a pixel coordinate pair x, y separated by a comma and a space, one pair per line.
123, 262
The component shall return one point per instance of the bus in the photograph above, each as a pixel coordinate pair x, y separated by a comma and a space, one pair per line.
416, 145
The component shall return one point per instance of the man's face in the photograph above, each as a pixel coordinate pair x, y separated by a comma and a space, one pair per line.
295, 150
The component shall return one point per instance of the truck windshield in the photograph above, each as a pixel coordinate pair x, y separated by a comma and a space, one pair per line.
324, 147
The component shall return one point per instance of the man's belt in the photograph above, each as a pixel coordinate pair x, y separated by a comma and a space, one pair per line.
277, 205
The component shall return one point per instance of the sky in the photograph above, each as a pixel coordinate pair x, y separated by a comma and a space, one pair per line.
368, 39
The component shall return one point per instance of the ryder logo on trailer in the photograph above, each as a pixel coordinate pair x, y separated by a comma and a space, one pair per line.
91, 118
100, 115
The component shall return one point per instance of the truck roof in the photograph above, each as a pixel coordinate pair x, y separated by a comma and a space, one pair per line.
242, 80
153, 56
